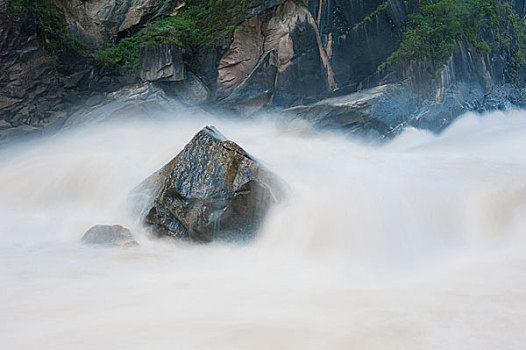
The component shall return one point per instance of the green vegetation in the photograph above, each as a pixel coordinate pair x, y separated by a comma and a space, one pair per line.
511, 41
373, 14
432, 32
197, 24
50, 26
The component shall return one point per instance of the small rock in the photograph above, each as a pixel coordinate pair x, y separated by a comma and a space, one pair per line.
106, 235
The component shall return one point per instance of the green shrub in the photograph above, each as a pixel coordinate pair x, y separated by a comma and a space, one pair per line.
433, 30
198, 24
373, 14
50, 26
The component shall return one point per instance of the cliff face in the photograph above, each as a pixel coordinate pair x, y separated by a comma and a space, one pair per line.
97, 21
337, 45
359, 35
322, 60
276, 58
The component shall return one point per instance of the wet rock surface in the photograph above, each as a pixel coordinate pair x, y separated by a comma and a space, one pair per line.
109, 236
212, 190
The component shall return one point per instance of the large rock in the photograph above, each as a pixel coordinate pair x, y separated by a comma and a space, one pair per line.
134, 101
372, 112
283, 47
212, 190
105, 235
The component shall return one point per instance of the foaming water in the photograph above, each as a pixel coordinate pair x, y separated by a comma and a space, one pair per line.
418, 243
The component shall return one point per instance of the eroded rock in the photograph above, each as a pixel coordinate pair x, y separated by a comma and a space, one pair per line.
163, 62
97, 21
106, 235
212, 190
283, 46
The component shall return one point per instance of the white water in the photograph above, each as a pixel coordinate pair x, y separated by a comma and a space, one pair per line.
417, 244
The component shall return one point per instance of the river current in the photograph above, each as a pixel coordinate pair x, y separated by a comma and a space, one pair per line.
418, 243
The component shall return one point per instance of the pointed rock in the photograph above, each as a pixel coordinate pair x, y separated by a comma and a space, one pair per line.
212, 190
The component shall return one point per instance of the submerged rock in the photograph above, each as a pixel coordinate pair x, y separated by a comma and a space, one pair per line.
106, 235
212, 190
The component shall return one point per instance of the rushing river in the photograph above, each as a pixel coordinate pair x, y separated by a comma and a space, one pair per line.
419, 243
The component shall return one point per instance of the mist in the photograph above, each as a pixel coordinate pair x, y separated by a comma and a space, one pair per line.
415, 243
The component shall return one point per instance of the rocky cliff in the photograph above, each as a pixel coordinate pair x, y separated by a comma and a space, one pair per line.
362, 65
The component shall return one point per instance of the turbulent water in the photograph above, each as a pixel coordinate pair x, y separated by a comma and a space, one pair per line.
415, 244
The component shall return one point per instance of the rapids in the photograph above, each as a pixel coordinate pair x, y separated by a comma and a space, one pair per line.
419, 243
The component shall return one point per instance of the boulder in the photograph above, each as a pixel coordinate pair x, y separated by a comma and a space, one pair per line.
212, 190
106, 235
133, 101
373, 112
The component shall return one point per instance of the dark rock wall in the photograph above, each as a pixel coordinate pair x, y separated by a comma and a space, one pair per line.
285, 53
359, 35
283, 46
25, 73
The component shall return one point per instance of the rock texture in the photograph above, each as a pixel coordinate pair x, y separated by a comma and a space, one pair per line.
420, 98
359, 35
211, 190
318, 59
191, 91
26, 75
134, 101
105, 235
163, 62
359, 114
97, 21
283, 47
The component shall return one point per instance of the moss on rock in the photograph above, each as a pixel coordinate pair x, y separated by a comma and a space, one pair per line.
50, 25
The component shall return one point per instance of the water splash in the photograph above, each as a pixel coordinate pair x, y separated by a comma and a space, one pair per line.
418, 243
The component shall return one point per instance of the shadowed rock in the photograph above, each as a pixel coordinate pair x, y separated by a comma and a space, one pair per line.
106, 235
211, 190
163, 62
